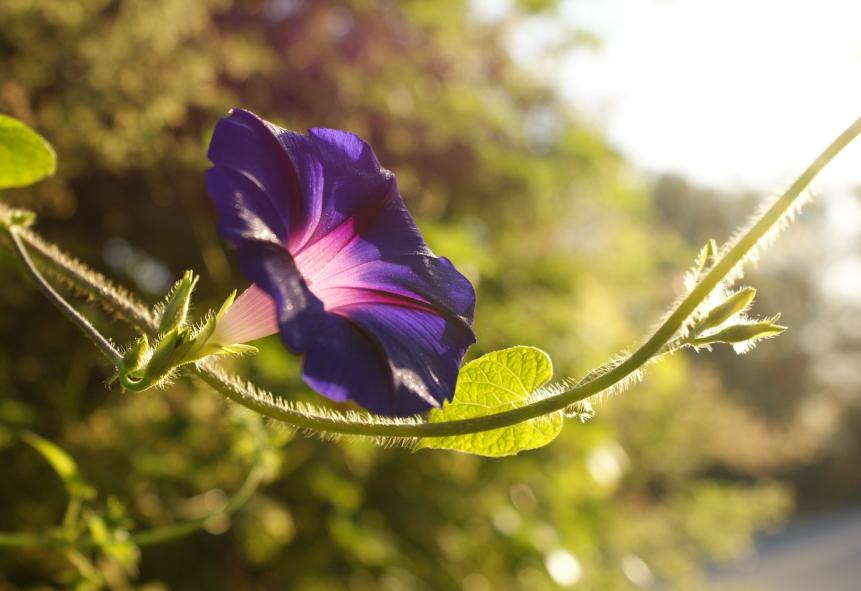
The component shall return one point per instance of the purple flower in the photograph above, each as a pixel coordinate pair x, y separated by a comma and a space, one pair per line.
338, 266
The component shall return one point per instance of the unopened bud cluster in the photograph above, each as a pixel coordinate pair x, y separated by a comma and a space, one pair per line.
147, 364
727, 321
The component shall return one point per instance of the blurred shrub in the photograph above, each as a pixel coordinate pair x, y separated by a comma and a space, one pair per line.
534, 206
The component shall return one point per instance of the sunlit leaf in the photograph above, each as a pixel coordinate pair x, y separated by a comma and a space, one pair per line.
25, 157
499, 381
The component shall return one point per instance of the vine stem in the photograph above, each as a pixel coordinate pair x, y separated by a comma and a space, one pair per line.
61, 304
334, 422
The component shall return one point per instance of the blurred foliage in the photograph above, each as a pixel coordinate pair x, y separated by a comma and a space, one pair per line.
567, 249
806, 382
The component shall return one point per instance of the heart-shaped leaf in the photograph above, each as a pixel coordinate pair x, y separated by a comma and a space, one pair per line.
499, 381
25, 156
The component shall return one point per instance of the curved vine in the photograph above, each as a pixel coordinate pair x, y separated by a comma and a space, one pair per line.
728, 265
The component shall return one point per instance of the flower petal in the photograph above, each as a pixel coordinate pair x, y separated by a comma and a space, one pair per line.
289, 167
354, 181
381, 248
343, 364
423, 349
244, 211
432, 281
298, 311
247, 145
320, 227
251, 316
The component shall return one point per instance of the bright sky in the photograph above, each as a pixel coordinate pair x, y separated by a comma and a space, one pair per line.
730, 93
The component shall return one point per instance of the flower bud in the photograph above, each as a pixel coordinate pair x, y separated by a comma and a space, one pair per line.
147, 374
135, 355
177, 346
731, 306
175, 310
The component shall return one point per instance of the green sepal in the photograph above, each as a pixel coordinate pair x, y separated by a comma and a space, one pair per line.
159, 365
136, 354
200, 346
202, 336
226, 305
238, 349
223, 350
742, 333
194, 348
179, 344
169, 347
175, 311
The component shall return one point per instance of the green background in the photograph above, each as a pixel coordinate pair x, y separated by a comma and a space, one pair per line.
570, 250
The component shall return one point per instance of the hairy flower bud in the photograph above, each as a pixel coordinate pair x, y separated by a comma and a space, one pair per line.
743, 334
731, 306
144, 366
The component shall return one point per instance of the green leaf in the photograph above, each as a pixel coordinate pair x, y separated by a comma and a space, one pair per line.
499, 381
62, 463
25, 156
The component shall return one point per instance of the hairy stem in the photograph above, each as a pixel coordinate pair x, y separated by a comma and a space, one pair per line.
264, 403
76, 317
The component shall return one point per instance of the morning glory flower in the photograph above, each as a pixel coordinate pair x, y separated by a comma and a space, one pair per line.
338, 266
